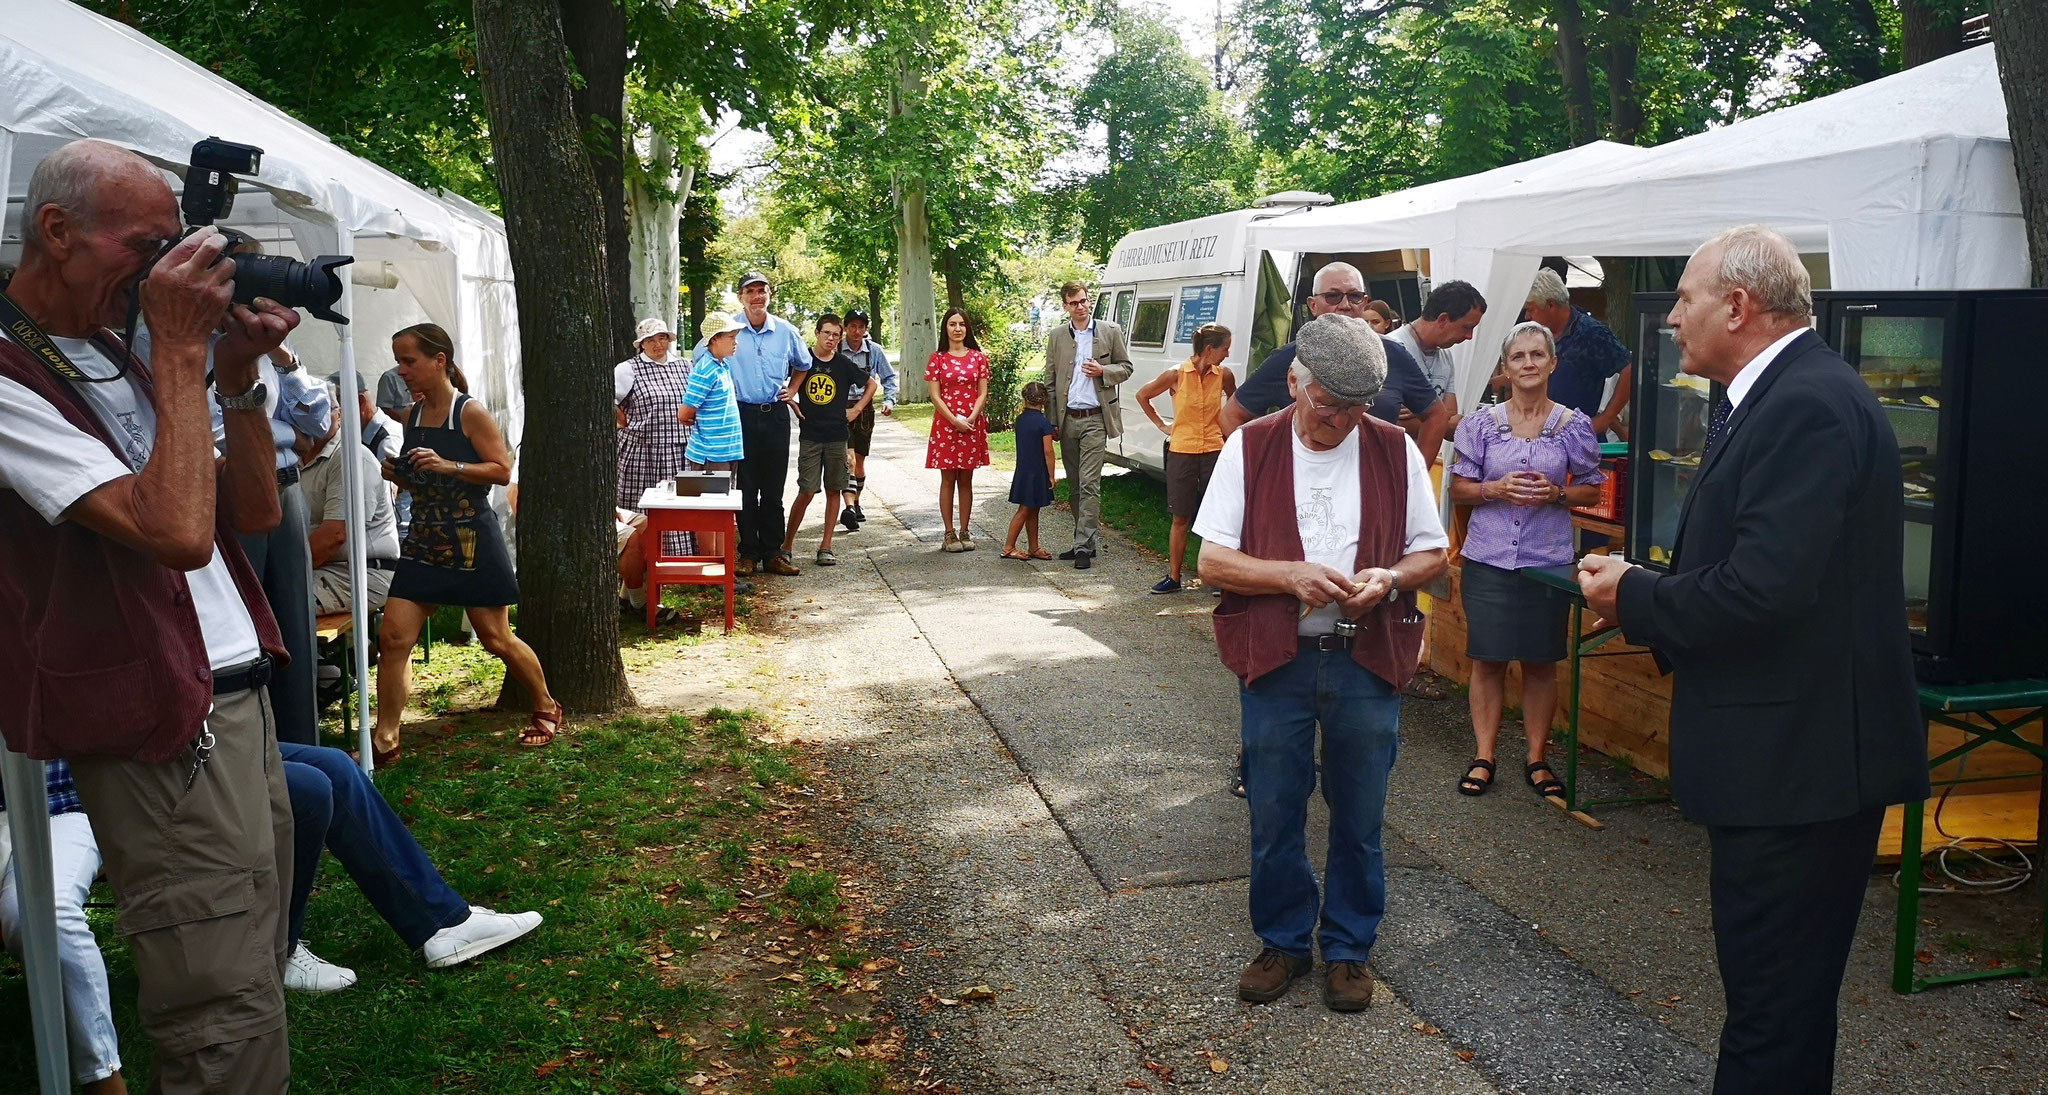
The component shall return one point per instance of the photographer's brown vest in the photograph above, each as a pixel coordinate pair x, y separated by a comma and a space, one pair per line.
100, 649
1256, 635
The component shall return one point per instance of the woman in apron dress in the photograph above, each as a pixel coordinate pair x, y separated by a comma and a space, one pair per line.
454, 551
649, 388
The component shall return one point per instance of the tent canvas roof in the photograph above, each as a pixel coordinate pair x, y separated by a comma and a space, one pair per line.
1932, 139
1423, 215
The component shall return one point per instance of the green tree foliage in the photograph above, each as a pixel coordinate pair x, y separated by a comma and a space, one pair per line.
393, 81
1172, 150
1360, 104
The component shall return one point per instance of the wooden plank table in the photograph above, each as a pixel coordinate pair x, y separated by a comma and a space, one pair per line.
704, 514
1999, 710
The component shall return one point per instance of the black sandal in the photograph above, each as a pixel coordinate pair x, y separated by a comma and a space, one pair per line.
1547, 788
1470, 784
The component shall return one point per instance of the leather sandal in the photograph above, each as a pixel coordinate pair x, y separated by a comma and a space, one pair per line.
1469, 784
542, 730
1548, 788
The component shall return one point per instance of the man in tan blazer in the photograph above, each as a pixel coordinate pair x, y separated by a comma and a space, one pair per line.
1085, 415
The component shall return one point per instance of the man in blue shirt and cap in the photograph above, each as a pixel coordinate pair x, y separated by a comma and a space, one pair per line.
766, 368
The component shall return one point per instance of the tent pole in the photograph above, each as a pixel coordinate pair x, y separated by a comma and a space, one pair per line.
358, 521
29, 829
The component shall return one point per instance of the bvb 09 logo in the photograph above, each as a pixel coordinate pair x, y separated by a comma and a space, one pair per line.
820, 388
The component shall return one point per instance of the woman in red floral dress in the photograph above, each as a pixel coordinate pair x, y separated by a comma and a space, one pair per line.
958, 375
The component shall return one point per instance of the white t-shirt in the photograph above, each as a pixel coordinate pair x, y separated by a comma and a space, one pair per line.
1325, 498
51, 464
1436, 365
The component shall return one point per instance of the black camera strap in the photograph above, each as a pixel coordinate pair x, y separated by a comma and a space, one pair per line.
24, 331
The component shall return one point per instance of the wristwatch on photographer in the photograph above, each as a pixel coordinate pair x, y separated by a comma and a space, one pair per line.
1393, 583
251, 400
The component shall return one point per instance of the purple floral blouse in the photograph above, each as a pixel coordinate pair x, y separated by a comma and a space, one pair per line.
1506, 535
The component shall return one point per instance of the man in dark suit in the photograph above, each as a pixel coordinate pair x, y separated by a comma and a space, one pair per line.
1794, 721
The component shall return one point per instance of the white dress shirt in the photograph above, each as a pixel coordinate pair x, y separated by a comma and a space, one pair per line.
1754, 371
1081, 389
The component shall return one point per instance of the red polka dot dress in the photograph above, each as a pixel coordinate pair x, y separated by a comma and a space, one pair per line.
956, 381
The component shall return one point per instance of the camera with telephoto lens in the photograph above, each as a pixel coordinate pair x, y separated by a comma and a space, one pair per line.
210, 185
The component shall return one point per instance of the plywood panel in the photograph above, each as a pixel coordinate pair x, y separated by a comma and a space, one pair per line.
2007, 815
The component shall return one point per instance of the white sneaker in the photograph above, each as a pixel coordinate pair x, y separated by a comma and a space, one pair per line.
484, 932
305, 971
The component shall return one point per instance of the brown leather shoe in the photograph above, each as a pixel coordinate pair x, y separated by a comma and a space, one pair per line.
744, 568
782, 564
1269, 975
1347, 986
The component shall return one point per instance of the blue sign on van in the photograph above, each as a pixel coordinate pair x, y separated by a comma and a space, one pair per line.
1198, 304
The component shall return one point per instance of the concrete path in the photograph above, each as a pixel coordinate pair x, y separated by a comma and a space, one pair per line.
1042, 756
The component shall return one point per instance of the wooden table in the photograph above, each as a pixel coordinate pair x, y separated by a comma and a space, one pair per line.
704, 514
1952, 706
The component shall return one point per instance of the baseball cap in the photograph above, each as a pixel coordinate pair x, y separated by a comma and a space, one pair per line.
752, 277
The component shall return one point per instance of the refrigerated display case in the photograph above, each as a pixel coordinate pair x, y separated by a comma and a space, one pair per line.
1667, 435
1961, 377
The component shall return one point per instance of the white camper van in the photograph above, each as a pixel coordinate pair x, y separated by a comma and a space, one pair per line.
1161, 284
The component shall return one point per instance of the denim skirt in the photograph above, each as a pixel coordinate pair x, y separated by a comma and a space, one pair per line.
1509, 618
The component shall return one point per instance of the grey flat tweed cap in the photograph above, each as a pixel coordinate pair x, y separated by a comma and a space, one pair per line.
1345, 356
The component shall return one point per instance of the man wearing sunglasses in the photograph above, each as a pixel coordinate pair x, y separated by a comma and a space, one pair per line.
1339, 289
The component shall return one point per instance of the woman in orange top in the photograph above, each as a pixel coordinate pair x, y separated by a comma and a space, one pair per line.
1194, 438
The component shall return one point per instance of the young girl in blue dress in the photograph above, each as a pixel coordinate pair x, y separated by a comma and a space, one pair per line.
1031, 484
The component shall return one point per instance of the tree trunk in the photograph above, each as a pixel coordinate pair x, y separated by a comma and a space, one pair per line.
595, 31
554, 228
1928, 34
656, 222
956, 293
1570, 54
875, 310
914, 252
2020, 29
1624, 101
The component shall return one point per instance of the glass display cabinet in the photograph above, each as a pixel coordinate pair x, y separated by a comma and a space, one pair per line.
1667, 435
1960, 376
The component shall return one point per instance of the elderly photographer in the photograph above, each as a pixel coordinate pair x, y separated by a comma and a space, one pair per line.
1316, 520
137, 637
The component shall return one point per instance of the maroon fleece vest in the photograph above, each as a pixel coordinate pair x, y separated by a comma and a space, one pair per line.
1256, 634
100, 649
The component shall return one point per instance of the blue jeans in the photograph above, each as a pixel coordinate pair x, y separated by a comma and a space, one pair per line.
335, 804
1360, 718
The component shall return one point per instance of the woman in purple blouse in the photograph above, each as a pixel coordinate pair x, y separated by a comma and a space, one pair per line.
1513, 458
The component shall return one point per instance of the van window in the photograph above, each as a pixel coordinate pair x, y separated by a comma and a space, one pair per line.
1124, 303
1102, 306
1149, 327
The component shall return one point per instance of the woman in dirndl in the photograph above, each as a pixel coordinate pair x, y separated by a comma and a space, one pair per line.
1520, 466
649, 387
454, 551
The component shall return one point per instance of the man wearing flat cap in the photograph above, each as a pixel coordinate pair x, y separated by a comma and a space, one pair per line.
1318, 526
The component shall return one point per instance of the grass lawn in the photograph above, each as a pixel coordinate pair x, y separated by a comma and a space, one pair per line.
700, 934
1134, 504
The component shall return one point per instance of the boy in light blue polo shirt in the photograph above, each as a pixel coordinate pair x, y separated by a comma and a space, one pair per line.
709, 407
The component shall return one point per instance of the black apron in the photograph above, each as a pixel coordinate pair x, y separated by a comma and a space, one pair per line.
454, 551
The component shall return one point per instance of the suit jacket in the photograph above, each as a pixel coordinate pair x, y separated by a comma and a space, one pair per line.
1783, 616
1110, 349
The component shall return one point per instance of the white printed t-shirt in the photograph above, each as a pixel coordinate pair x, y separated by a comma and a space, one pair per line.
1325, 500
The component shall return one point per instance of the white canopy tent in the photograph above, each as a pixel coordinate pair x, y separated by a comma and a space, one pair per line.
66, 74
1904, 183
1427, 217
